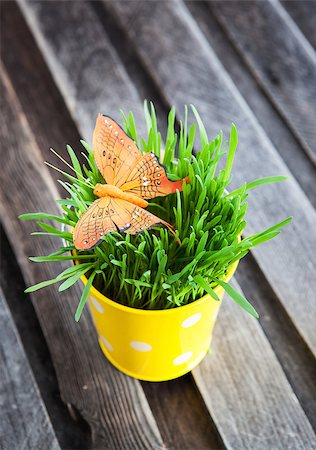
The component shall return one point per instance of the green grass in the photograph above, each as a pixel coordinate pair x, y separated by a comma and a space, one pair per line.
151, 270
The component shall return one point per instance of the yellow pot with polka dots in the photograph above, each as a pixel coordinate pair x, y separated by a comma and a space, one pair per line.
155, 345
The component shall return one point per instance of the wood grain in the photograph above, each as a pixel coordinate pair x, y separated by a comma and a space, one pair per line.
186, 430
199, 78
269, 118
114, 405
280, 57
24, 422
303, 13
70, 432
262, 389
246, 391
298, 363
35, 85
85, 65
183, 419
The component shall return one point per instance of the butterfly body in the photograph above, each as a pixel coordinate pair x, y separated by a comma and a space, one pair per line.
109, 190
131, 178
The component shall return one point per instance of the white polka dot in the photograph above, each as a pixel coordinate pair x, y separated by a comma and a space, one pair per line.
106, 343
192, 320
97, 305
140, 346
182, 358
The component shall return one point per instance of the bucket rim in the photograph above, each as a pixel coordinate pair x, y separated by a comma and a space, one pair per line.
149, 312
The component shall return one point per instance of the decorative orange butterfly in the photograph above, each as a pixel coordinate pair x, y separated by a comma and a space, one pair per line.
131, 178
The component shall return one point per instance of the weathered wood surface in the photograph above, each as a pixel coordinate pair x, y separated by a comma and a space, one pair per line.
200, 79
272, 165
70, 433
281, 58
183, 419
24, 422
37, 16
298, 363
31, 92
303, 13
274, 125
104, 397
37, 92
246, 391
88, 71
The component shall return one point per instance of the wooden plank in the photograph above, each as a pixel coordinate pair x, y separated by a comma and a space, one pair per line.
281, 59
89, 72
114, 405
30, 91
298, 363
70, 433
20, 57
199, 78
184, 420
296, 360
265, 349
24, 422
274, 125
186, 430
303, 13
246, 391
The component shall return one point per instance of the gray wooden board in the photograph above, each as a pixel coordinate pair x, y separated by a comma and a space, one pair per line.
183, 418
21, 56
70, 433
246, 391
81, 59
265, 348
298, 363
281, 58
274, 125
303, 13
114, 405
188, 71
24, 422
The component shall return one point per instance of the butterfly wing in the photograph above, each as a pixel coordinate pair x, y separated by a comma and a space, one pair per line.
112, 214
139, 219
115, 152
148, 179
93, 224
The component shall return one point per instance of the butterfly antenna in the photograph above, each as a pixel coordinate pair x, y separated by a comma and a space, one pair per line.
68, 175
171, 229
65, 162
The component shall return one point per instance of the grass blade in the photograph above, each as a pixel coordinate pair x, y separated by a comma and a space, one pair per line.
206, 287
238, 298
84, 297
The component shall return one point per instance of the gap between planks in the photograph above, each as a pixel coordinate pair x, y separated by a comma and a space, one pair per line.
24, 422
299, 366
303, 13
274, 125
70, 433
114, 405
60, 80
201, 79
38, 83
280, 58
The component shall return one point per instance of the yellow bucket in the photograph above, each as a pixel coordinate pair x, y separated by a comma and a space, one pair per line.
155, 345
